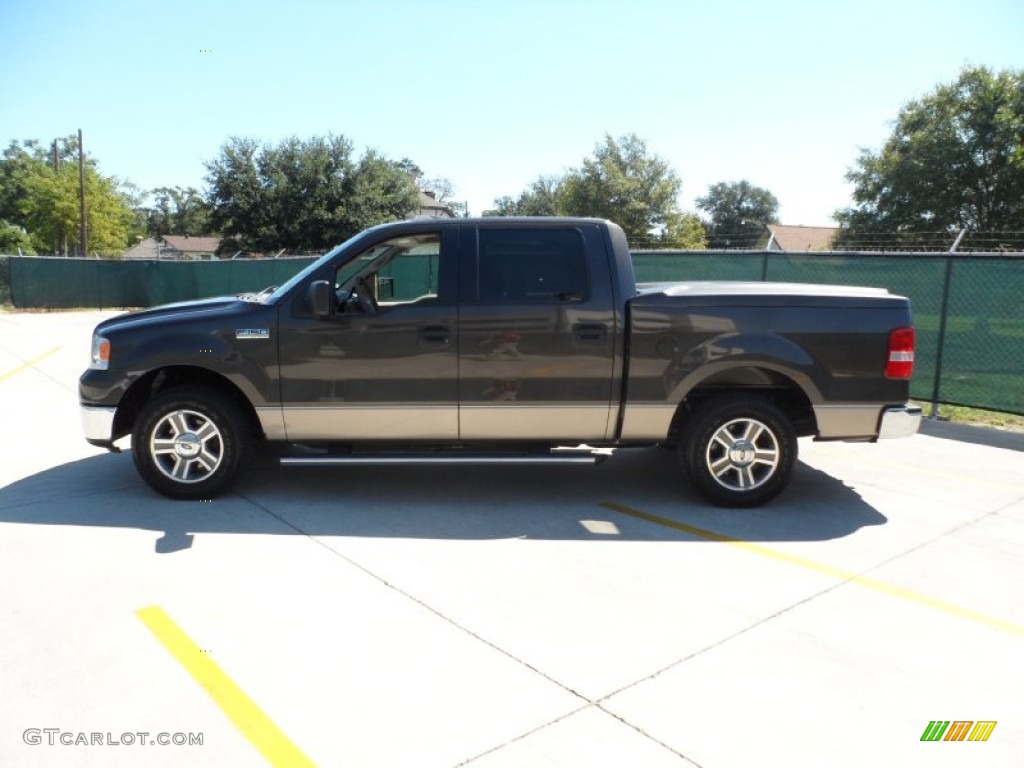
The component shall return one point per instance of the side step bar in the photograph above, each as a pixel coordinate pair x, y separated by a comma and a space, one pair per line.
413, 459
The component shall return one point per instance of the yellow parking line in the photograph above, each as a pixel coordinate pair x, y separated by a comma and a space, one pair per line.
828, 570
27, 365
254, 724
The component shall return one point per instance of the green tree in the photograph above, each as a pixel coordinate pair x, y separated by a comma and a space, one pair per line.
44, 200
737, 213
623, 182
177, 211
541, 198
685, 231
303, 194
955, 160
14, 239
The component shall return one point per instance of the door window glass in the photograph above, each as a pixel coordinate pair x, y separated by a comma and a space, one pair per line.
398, 271
529, 266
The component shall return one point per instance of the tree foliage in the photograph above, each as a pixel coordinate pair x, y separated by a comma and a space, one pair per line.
43, 201
541, 198
737, 213
621, 181
303, 194
14, 239
177, 211
955, 160
686, 231
625, 183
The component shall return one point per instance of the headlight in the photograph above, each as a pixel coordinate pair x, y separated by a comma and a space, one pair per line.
100, 353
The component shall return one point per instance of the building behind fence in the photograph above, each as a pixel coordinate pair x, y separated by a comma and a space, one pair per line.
968, 308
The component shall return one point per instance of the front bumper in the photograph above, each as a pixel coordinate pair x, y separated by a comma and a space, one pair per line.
899, 421
98, 424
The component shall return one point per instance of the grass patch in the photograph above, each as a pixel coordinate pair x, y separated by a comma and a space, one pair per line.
960, 414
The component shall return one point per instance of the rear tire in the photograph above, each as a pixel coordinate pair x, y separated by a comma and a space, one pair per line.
738, 450
191, 443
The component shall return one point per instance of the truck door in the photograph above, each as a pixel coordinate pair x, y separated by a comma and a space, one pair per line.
536, 333
383, 365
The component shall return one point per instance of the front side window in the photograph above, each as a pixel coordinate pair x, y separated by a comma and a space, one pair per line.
531, 266
401, 270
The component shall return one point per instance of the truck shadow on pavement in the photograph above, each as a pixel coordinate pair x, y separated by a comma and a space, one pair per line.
441, 502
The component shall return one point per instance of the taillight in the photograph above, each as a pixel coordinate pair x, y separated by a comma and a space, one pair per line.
900, 364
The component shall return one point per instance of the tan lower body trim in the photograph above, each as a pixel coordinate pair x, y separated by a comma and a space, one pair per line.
424, 422
533, 422
844, 422
647, 422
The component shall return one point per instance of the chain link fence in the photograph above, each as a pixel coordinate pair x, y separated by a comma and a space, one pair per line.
968, 308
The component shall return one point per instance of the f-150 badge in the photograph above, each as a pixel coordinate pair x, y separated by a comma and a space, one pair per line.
252, 333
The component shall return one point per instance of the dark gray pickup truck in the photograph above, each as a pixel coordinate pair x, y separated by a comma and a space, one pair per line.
499, 340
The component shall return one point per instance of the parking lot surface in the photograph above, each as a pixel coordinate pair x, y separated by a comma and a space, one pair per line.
500, 616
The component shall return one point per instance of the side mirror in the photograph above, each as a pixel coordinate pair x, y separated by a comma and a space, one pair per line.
318, 296
385, 288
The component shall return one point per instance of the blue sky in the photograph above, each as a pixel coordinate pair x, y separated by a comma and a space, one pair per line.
493, 94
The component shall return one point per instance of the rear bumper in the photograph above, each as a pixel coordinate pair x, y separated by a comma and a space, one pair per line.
98, 424
899, 421
857, 423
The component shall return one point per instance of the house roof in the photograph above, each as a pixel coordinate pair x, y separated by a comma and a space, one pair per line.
430, 203
145, 249
187, 244
791, 238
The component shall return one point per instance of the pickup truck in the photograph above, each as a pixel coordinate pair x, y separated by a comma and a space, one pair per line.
517, 340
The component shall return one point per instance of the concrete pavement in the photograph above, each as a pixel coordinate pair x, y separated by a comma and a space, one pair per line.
499, 616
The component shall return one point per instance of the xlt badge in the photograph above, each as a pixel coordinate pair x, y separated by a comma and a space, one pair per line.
252, 333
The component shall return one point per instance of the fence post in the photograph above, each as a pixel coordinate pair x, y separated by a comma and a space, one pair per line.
99, 284
943, 311
764, 266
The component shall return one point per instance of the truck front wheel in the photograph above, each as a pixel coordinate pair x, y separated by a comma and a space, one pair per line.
739, 450
190, 443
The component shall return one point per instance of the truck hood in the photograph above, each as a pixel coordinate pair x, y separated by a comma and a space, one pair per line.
172, 312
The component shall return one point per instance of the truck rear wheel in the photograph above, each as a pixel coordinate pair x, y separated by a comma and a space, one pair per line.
190, 443
739, 450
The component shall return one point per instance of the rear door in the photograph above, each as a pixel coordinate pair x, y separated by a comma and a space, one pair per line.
536, 333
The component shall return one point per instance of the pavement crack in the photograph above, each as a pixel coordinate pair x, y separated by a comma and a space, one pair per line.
525, 735
417, 600
718, 643
642, 732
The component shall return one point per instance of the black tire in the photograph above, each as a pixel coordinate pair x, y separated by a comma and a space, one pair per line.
191, 443
738, 450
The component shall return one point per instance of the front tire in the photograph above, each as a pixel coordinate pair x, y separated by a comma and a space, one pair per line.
739, 450
190, 443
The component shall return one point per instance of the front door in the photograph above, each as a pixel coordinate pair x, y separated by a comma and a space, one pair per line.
384, 365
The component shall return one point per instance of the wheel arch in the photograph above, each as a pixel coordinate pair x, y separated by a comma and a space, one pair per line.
159, 380
792, 391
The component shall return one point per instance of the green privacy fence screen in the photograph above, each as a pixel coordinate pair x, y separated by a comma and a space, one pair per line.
63, 283
968, 309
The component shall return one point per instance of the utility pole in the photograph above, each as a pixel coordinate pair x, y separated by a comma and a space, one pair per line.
56, 172
81, 186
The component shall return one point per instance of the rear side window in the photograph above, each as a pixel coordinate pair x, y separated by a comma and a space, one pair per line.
531, 266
